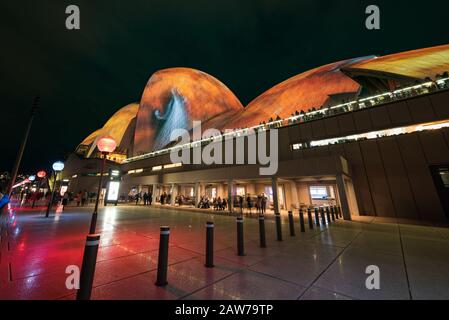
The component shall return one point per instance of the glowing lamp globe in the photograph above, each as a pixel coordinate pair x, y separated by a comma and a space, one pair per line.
58, 166
32, 178
106, 145
41, 174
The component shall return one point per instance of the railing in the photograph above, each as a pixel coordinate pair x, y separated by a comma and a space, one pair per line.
397, 95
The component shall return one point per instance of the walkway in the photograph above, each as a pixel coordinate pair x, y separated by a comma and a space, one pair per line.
324, 263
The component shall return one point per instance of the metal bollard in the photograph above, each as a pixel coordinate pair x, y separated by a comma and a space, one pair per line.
333, 213
162, 263
328, 215
301, 220
317, 217
209, 244
309, 218
88, 267
263, 243
291, 224
278, 227
323, 217
240, 244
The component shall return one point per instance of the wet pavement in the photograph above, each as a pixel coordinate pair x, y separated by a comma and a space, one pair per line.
324, 263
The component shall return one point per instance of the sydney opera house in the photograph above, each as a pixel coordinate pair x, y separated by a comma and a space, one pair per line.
370, 134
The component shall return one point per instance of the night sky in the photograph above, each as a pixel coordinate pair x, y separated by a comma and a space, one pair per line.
84, 76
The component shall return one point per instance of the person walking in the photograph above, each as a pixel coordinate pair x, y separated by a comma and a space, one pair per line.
249, 203
78, 198
65, 200
84, 198
264, 203
259, 204
150, 198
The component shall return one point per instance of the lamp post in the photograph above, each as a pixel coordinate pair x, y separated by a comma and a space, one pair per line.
105, 145
58, 166
41, 175
22, 146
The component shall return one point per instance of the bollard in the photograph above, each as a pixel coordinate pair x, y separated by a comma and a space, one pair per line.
309, 218
240, 245
263, 243
317, 217
162, 262
328, 215
278, 227
209, 244
333, 213
291, 224
323, 217
88, 267
301, 220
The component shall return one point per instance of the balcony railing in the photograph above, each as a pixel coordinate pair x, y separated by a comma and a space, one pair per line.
363, 103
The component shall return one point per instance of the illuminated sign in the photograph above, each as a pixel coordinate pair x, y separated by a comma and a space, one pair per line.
173, 165
113, 191
63, 190
113, 187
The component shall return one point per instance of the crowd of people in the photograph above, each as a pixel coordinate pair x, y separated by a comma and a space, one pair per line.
259, 203
147, 198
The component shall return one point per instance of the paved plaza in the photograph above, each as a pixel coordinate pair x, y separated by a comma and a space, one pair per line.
323, 263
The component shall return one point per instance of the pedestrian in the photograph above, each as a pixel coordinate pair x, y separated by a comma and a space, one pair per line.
137, 198
259, 204
84, 198
264, 203
224, 204
150, 198
78, 198
168, 198
65, 200
249, 203
241, 204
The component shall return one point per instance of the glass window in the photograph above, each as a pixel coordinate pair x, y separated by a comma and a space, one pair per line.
318, 192
240, 191
444, 174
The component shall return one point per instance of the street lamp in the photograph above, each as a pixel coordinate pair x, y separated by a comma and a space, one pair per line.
58, 166
105, 145
41, 175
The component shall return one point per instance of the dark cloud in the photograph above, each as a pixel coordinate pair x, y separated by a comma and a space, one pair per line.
84, 76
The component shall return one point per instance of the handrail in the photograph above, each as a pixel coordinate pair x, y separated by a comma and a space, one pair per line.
397, 95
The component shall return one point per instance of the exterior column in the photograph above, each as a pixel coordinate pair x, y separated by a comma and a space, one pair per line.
153, 192
343, 195
197, 193
274, 189
294, 195
230, 201
174, 194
